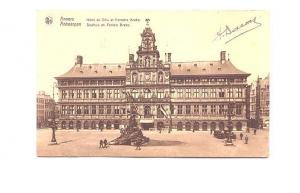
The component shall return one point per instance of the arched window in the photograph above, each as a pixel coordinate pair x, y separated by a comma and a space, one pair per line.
188, 126
101, 125
221, 125
147, 111
71, 126
196, 126
108, 125
134, 77
63, 124
204, 126
78, 125
160, 77
93, 125
213, 125
135, 93
116, 125
179, 126
86, 125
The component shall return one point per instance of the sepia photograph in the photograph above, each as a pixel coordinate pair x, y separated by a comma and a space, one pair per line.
153, 84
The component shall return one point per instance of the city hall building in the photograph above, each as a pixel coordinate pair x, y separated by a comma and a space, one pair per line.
166, 94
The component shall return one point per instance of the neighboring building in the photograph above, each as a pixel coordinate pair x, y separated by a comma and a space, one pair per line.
177, 95
259, 103
45, 108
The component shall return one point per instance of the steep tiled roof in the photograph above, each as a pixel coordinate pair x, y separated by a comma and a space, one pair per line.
204, 68
95, 71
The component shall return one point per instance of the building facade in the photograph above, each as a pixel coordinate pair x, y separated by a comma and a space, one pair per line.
45, 109
167, 95
260, 102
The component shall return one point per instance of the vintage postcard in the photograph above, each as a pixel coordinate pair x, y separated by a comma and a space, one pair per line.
153, 83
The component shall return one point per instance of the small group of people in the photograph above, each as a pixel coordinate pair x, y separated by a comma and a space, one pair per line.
103, 143
246, 138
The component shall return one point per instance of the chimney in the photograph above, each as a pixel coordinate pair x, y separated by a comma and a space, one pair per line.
79, 60
169, 57
131, 57
222, 56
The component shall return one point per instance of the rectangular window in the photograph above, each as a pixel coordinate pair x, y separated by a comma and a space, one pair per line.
213, 109
108, 93
213, 93
160, 94
116, 93
78, 94
94, 94
71, 110
86, 94
239, 93
101, 94
238, 109
93, 109
204, 109
86, 110
221, 93
117, 110
179, 93
172, 109
179, 110
64, 94
64, 109
196, 109
188, 93
188, 109
205, 93
196, 93
71, 94
101, 109
221, 109
78, 110
230, 93
108, 109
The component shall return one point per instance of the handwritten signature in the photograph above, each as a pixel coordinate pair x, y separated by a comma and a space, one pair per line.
239, 30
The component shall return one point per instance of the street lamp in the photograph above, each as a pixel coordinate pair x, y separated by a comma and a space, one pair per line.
53, 120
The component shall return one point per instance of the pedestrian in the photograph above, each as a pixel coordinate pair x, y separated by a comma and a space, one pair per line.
246, 139
254, 132
101, 144
211, 131
138, 144
105, 143
248, 130
241, 136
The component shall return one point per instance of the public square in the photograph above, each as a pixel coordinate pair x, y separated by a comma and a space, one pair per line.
174, 144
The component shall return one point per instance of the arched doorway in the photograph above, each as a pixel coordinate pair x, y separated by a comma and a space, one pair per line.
221, 125
78, 125
71, 126
179, 126
86, 125
239, 126
204, 126
108, 125
196, 126
213, 125
188, 126
63, 124
93, 125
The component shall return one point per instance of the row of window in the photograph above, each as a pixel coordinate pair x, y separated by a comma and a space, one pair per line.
206, 93
205, 109
204, 125
94, 93
90, 82
208, 80
93, 109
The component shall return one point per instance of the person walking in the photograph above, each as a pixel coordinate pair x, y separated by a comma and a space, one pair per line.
105, 143
211, 131
246, 139
241, 136
101, 144
254, 132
